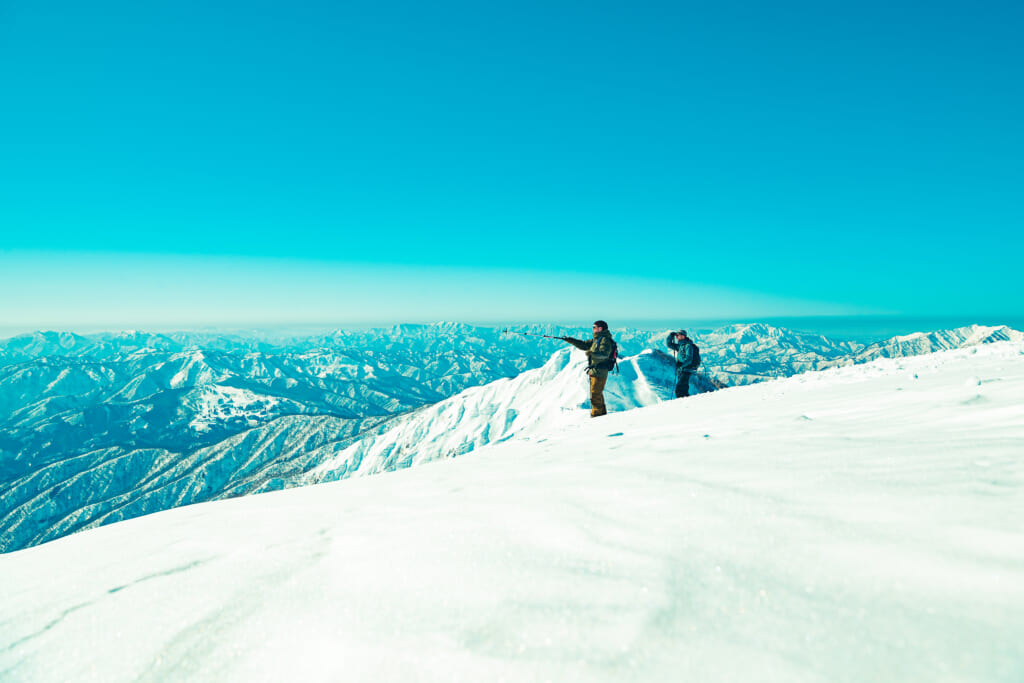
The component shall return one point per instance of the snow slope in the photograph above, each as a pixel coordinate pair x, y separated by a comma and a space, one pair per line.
856, 524
533, 403
107, 485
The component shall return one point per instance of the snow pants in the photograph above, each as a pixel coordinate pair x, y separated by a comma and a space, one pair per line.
683, 383
597, 406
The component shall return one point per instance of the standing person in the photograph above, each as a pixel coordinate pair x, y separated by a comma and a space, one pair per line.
601, 351
687, 359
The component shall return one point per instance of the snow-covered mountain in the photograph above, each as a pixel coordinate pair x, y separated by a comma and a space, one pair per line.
921, 343
55, 407
748, 353
116, 483
95, 429
106, 427
522, 407
82, 394
856, 524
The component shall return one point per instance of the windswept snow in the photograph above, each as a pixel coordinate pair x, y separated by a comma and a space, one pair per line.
857, 524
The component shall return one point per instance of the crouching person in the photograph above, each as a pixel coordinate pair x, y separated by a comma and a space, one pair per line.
601, 352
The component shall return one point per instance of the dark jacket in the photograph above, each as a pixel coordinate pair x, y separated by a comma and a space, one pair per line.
599, 349
684, 352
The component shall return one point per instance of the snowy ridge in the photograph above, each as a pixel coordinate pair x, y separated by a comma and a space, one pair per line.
748, 353
859, 523
533, 403
921, 343
90, 425
113, 484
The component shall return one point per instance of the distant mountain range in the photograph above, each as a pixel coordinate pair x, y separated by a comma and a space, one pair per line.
98, 428
743, 354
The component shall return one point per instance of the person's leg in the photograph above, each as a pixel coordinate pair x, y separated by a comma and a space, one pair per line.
597, 406
683, 385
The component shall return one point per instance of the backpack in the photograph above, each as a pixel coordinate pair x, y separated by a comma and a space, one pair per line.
610, 364
696, 357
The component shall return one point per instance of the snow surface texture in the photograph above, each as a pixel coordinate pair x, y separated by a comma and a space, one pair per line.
98, 429
856, 524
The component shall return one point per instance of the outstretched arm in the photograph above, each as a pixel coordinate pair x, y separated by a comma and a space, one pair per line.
578, 343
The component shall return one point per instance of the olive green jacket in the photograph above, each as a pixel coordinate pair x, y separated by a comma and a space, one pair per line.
599, 349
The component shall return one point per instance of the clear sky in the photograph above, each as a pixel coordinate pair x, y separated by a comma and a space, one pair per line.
211, 162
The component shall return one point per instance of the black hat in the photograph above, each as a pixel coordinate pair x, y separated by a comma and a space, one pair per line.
682, 332
601, 323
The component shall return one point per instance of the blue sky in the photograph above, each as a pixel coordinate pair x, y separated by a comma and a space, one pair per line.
194, 163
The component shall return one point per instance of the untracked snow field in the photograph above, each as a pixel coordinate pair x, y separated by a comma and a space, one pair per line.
860, 524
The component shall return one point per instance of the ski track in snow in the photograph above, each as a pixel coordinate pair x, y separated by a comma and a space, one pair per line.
857, 524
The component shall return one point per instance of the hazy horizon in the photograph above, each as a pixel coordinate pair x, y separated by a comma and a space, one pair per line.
840, 327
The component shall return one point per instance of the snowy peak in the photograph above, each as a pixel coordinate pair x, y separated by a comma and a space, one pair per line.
97, 347
533, 403
759, 337
748, 353
922, 343
46, 344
